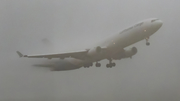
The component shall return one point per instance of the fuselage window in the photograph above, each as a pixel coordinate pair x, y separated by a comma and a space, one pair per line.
139, 24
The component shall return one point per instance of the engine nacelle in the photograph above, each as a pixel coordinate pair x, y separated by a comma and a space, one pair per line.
94, 51
126, 54
130, 52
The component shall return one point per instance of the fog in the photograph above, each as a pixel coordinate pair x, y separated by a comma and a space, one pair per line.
47, 26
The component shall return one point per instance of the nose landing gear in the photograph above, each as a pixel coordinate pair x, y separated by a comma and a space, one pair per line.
147, 41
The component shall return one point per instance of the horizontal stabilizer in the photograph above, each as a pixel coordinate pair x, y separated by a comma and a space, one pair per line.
19, 53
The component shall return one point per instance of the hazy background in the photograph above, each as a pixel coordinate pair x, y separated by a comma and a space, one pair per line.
153, 74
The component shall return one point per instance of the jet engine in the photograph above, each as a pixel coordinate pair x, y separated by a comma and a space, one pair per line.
130, 52
126, 54
94, 51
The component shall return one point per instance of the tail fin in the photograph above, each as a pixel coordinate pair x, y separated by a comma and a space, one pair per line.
19, 53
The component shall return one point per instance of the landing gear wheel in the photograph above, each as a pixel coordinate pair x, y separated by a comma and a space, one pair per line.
110, 66
88, 65
147, 43
113, 64
91, 64
107, 65
98, 65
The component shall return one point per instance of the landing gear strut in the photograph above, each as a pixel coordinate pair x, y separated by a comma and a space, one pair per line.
147, 41
110, 65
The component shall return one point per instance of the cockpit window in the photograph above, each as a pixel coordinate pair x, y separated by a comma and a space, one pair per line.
154, 20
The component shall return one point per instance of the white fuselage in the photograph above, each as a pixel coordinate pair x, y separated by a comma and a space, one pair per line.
126, 37
133, 34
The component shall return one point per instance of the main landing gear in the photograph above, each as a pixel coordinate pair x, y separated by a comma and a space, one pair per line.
88, 65
147, 41
110, 65
98, 64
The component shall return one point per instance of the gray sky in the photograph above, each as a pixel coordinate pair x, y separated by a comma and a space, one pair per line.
152, 75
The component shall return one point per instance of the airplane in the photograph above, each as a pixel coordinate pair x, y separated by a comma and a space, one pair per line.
110, 49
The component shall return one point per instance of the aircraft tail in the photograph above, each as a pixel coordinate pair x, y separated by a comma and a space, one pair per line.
19, 53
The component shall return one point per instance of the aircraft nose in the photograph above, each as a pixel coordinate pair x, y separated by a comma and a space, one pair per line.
156, 25
159, 23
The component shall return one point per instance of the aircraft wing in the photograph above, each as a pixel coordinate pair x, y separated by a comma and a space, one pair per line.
76, 54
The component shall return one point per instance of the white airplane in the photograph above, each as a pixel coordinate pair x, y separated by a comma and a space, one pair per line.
111, 49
